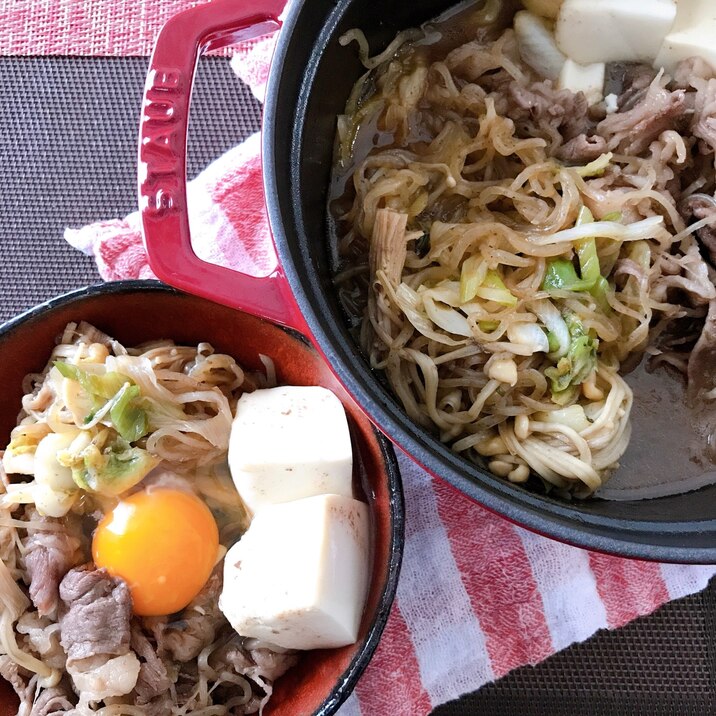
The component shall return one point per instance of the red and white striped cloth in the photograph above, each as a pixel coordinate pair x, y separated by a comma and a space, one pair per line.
477, 596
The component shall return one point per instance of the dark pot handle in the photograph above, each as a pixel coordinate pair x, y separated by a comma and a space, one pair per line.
162, 159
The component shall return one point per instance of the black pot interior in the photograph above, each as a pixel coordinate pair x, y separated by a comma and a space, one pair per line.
311, 78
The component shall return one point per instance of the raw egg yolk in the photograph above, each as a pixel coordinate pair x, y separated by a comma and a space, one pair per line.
163, 543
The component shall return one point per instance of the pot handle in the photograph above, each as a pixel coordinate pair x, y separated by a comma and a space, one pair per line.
162, 159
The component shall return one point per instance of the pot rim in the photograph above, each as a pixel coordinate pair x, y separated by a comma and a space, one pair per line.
650, 540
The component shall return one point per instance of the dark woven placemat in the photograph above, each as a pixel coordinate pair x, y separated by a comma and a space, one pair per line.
68, 133
67, 158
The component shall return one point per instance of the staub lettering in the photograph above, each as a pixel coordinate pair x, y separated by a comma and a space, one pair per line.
162, 142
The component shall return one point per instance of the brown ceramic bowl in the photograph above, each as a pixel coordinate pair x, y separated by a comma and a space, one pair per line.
137, 311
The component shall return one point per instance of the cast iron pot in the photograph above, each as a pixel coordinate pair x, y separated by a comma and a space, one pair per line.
310, 79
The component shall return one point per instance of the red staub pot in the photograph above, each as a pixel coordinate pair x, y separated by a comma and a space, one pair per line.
311, 77
139, 311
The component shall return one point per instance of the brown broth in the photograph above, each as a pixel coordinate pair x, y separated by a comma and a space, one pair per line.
671, 448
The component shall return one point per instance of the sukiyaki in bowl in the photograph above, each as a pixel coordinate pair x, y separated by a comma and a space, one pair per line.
119, 606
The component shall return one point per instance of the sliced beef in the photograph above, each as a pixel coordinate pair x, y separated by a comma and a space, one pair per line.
153, 678
540, 106
52, 702
95, 614
185, 638
259, 665
18, 679
704, 125
701, 374
701, 369
695, 208
631, 131
628, 81
582, 149
689, 71
49, 555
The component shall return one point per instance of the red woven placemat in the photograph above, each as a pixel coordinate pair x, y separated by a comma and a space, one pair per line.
84, 27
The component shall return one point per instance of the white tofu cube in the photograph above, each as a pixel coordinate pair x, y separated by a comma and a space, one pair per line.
583, 78
692, 35
590, 31
298, 577
290, 442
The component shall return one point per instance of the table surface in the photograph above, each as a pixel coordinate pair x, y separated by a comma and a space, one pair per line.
67, 158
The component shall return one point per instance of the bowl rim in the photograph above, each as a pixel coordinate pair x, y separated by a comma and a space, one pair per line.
396, 503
